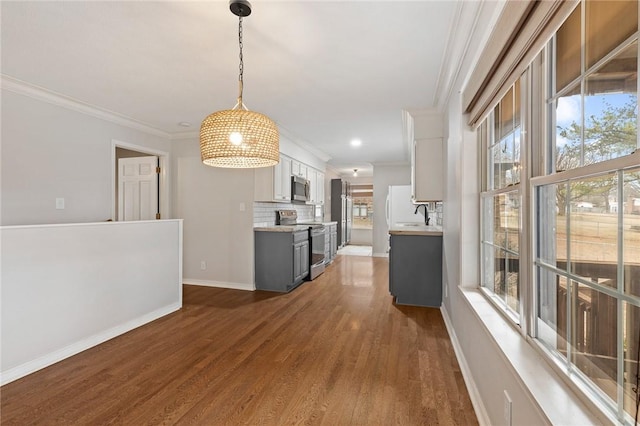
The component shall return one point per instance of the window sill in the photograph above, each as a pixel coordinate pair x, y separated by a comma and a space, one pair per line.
551, 393
506, 313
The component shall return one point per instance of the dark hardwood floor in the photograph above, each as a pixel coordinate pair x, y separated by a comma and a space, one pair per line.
335, 351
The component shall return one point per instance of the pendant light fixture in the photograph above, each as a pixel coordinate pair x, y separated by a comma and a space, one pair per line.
239, 138
355, 172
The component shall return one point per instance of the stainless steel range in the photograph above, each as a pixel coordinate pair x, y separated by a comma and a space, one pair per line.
316, 239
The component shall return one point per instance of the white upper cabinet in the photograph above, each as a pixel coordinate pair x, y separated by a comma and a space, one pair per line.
427, 170
319, 188
274, 183
299, 169
316, 182
313, 188
282, 179
423, 132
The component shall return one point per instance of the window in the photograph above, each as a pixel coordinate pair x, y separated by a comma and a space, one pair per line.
594, 103
501, 202
587, 217
578, 207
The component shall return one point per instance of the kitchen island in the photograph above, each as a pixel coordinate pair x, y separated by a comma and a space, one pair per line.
281, 257
415, 265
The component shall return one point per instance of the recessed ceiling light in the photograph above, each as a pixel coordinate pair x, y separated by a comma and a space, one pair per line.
184, 124
356, 142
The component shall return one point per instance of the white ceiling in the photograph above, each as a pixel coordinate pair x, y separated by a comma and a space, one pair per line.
325, 71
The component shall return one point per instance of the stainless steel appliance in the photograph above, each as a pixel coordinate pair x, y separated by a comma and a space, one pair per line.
342, 210
300, 189
316, 239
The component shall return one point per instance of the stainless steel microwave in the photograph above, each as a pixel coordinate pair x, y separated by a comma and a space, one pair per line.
300, 189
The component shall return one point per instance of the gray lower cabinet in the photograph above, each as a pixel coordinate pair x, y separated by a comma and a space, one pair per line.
327, 245
300, 258
333, 237
331, 242
281, 260
415, 270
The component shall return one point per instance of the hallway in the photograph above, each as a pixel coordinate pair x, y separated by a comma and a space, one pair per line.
335, 351
355, 250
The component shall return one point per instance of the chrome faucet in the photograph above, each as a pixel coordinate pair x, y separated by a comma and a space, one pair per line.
426, 213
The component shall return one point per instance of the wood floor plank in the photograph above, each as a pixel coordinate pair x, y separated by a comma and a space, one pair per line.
336, 350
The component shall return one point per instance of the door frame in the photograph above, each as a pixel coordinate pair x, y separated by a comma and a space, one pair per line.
163, 181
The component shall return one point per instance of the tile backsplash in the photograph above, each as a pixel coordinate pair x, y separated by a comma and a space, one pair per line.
436, 213
264, 214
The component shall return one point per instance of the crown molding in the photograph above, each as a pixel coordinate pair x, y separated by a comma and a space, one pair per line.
466, 17
332, 169
391, 163
421, 112
445, 79
45, 95
303, 144
20, 87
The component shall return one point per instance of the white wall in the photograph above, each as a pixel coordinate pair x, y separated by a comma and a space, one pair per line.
50, 152
427, 124
383, 177
66, 288
216, 228
361, 237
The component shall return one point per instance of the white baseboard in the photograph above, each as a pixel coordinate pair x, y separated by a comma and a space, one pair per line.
380, 255
474, 394
29, 367
219, 284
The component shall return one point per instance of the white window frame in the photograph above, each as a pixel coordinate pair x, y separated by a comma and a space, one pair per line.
487, 137
548, 176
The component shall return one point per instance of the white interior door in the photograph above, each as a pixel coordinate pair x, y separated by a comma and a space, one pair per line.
137, 188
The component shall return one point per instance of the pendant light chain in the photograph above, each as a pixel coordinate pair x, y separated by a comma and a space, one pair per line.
241, 67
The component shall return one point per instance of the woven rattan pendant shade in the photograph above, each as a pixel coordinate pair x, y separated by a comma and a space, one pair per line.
239, 138
260, 145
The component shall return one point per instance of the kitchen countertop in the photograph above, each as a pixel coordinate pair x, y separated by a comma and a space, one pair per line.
312, 222
415, 229
282, 228
291, 228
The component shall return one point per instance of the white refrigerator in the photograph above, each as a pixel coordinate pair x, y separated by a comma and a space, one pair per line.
400, 209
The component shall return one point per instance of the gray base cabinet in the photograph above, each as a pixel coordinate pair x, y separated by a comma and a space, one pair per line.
300, 257
327, 245
281, 260
415, 270
332, 239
